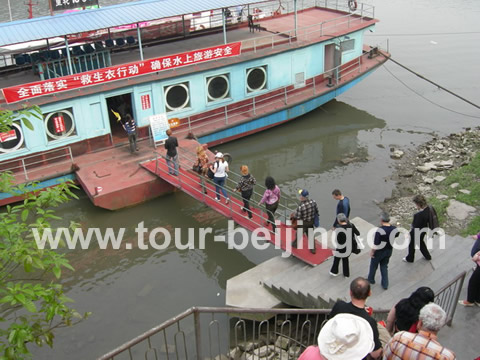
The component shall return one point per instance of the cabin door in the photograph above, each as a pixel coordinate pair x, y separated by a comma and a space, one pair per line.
333, 59
119, 106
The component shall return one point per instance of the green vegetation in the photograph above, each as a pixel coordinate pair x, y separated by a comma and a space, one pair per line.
468, 178
32, 302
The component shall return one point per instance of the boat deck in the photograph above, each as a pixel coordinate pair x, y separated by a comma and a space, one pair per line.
315, 24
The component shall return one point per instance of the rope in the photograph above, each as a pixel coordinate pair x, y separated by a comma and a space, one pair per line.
434, 83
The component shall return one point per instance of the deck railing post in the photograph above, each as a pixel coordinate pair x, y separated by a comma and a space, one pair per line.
198, 331
189, 124
70, 152
226, 115
314, 87
24, 169
253, 106
285, 88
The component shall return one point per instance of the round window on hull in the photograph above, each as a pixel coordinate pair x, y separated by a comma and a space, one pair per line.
12, 139
256, 79
177, 97
218, 87
59, 124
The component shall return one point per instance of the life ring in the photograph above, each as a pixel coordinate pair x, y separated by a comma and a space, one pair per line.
352, 5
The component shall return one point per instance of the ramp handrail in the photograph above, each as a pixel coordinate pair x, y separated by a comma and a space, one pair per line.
283, 205
200, 180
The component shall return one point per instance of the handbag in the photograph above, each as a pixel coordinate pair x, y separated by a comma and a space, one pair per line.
316, 221
355, 246
197, 168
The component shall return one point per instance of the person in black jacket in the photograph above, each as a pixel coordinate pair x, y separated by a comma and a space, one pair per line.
346, 244
419, 229
171, 145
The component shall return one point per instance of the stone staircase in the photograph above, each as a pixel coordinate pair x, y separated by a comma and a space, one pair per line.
312, 287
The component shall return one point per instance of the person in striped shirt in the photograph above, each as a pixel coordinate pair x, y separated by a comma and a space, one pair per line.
424, 344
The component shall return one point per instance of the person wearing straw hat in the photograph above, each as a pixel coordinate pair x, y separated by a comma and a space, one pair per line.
345, 337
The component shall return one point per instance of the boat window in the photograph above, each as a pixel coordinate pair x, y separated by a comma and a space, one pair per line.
12, 139
60, 124
177, 96
218, 87
256, 78
347, 45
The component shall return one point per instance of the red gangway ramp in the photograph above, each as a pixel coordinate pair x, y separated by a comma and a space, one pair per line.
189, 182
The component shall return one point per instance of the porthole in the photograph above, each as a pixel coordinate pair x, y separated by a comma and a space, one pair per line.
12, 139
59, 124
218, 87
256, 79
177, 97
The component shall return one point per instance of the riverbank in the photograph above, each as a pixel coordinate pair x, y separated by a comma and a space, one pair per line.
447, 172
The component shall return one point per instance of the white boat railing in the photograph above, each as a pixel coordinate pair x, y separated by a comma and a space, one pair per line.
279, 97
325, 28
37, 162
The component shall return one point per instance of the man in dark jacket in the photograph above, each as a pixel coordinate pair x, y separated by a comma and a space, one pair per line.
171, 145
419, 229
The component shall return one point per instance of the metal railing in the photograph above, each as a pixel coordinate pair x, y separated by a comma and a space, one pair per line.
283, 96
196, 183
306, 33
29, 164
447, 297
202, 332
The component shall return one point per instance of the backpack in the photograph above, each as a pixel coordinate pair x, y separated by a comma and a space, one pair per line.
210, 173
433, 222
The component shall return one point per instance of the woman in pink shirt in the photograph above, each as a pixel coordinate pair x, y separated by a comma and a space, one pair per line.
270, 198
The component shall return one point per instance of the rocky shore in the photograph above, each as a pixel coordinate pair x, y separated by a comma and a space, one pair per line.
442, 171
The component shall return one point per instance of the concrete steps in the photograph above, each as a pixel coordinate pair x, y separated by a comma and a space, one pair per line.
313, 287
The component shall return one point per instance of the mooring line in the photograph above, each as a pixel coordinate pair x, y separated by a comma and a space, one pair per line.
432, 82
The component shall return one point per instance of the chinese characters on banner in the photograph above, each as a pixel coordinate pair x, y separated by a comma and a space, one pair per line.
145, 99
7, 136
119, 72
58, 5
59, 124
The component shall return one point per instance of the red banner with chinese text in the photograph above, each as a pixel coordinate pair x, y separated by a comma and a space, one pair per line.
119, 72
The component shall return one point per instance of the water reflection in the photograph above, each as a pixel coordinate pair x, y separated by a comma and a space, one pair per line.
313, 145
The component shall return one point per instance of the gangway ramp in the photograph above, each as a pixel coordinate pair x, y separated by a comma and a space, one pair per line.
191, 183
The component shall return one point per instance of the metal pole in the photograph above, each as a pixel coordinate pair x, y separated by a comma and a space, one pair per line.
224, 27
295, 17
226, 116
198, 331
69, 59
139, 36
254, 106
10, 10
285, 95
24, 169
314, 87
189, 125
183, 25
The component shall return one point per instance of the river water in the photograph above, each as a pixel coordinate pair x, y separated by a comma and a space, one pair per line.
130, 291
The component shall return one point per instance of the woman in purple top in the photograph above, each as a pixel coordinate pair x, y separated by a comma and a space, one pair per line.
270, 198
